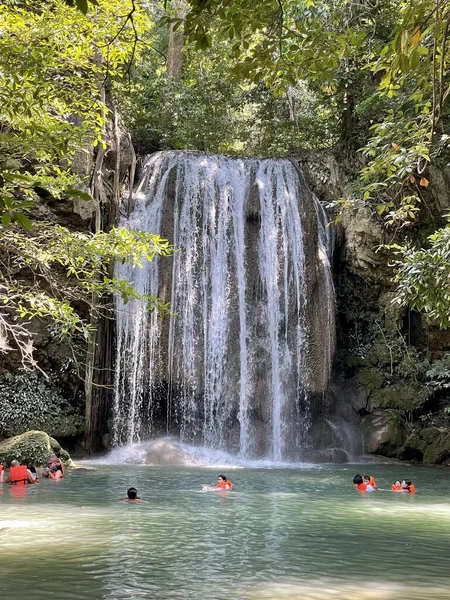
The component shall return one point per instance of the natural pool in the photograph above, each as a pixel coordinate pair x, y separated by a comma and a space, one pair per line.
282, 534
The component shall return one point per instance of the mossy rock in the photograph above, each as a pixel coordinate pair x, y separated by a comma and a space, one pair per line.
405, 397
430, 445
33, 447
371, 378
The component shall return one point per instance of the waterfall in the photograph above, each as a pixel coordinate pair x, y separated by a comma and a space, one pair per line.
250, 336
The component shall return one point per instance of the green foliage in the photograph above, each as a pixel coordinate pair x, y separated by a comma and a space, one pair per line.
423, 276
213, 109
438, 375
30, 401
68, 269
54, 64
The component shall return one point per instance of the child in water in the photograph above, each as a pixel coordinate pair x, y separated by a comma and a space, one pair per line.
132, 495
363, 484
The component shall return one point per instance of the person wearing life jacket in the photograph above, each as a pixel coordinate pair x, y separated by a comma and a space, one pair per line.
223, 484
370, 480
2, 473
396, 486
19, 474
360, 485
33, 473
370, 483
408, 487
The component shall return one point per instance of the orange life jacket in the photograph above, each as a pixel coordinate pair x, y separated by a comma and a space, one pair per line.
372, 481
412, 489
361, 487
1, 468
225, 485
396, 488
19, 475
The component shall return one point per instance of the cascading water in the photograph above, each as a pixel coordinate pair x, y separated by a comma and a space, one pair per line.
251, 334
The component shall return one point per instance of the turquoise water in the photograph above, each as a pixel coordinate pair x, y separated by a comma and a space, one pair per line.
288, 534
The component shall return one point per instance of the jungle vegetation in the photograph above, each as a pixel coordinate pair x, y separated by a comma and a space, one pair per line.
368, 79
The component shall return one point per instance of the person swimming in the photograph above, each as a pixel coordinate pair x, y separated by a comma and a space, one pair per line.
396, 486
360, 485
370, 483
132, 495
222, 484
408, 487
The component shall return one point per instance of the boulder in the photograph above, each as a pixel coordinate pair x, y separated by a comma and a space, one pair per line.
329, 455
430, 445
33, 447
383, 433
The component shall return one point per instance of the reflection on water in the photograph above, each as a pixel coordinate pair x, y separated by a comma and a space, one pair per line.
288, 534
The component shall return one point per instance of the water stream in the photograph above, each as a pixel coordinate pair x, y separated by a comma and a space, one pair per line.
284, 533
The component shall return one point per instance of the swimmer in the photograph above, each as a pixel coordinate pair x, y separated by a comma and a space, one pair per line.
370, 483
222, 484
131, 495
18, 474
396, 486
370, 480
1, 473
360, 485
408, 487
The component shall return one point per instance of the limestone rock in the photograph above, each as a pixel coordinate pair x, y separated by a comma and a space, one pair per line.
383, 433
33, 447
430, 445
364, 235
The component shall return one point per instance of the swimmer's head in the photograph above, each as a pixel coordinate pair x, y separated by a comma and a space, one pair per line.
366, 478
132, 493
397, 483
221, 478
357, 479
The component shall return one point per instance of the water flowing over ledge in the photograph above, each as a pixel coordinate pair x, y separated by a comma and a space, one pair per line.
249, 343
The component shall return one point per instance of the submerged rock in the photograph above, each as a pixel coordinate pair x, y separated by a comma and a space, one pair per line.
33, 447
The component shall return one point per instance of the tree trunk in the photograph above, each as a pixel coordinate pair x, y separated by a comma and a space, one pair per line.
176, 42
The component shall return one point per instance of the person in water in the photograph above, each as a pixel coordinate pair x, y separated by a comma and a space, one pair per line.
370, 480
2, 473
18, 474
132, 495
33, 473
55, 468
223, 484
396, 486
408, 487
361, 485
370, 483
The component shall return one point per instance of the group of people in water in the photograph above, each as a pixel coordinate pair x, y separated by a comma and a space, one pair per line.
222, 485
24, 474
366, 483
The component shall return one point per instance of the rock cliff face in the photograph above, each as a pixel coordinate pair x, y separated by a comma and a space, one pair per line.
383, 398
